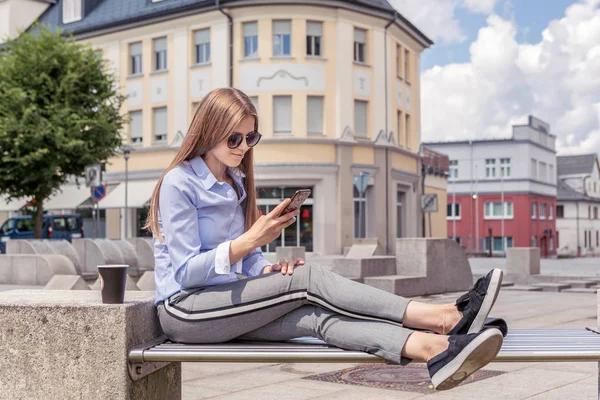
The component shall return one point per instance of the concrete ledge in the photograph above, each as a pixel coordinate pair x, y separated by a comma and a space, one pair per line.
45, 246
66, 282
33, 269
145, 253
147, 282
523, 260
290, 253
551, 287
68, 345
364, 267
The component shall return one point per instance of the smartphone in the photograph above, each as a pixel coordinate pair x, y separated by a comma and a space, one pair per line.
297, 200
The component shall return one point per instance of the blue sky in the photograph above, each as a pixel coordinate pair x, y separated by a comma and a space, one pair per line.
530, 16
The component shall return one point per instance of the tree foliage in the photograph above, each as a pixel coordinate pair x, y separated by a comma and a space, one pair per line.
59, 111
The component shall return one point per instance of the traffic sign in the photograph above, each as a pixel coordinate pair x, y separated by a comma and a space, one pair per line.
429, 203
98, 192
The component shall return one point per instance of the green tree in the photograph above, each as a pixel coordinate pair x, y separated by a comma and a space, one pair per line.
59, 111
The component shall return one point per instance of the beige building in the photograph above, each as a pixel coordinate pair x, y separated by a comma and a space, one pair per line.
336, 85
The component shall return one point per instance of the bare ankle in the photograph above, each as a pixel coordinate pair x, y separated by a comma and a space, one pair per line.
436, 347
449, 317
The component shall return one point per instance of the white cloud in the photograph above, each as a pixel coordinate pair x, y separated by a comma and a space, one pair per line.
556, 80
436, 17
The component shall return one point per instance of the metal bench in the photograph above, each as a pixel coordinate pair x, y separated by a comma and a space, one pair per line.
525, 345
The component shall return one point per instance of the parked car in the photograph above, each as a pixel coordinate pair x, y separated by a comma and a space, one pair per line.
55, 226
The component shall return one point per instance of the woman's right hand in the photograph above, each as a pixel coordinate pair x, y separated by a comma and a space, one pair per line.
268, 227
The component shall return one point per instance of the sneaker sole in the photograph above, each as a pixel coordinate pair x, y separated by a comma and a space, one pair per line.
488, 301
477, 354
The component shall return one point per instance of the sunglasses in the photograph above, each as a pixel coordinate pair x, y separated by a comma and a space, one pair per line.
236, 139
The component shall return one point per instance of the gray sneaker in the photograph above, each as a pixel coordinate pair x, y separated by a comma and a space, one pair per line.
465, 355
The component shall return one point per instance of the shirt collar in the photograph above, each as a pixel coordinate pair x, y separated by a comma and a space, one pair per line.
206, 176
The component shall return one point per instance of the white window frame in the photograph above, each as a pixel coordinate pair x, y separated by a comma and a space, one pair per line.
505, 167
160, 137
280, 51
360, 46
490, 168
534, 210
543, 171
364, 212
542, 211
275, 127
136, 59
136, 140
313, 38
72, 11
453, 170
160, 56
508, 206
454, 216
308, 114
366, 108
550, 211
407, 72
251, 51
202, 48
533, 168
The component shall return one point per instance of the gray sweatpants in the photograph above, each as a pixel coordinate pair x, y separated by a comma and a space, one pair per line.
274, 307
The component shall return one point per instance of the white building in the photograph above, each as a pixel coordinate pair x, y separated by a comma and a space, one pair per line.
577, 203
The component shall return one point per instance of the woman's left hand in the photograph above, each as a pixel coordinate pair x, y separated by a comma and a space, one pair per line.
285, 266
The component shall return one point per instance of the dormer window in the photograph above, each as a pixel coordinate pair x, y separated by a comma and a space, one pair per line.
71, 11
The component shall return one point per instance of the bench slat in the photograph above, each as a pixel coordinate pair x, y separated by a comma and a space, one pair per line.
519, 345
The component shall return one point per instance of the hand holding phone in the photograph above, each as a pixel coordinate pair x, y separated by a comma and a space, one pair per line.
296, 201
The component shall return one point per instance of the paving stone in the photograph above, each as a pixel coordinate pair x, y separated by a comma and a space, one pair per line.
523, 288
580, 283
551, 287
580, 290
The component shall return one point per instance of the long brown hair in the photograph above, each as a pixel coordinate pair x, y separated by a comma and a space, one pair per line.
219, 112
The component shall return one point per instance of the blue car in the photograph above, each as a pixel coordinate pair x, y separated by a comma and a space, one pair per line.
55, 226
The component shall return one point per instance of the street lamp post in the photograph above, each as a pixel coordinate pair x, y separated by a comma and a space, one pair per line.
127, 149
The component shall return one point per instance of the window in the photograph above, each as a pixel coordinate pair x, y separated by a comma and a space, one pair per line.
490, 167
595, 212
282, 114
497, 243
560, 211
360, 118
400, 196
314, 115
59, 224
8, 226
160, 54
254, 100
314, 32
533, 171
543, 172
551, 174
453, 211
282, 31
551, 243
594, 187
453, 169
71, 11
533, 210
557, 241
498, 210
589, 212
597, 239
407, 71
25, 224
505, 167
542, 211
400, 120
533, 241
160, 125
407, 126
250, 39
360, 43
550, 211
135, 127
360, 213
398, 61
135, 58
202, 46
585, 239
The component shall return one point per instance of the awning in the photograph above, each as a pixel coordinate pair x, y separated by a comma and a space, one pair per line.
68, 198
138, 195
13, 205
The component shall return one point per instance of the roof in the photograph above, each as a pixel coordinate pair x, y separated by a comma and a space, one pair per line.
575, 165
565, 192
107, 14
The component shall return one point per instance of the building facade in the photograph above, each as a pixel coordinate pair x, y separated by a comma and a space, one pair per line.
577, 204
336, 85
502, 192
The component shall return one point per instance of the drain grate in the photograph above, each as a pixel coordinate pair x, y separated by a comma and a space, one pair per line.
412, 378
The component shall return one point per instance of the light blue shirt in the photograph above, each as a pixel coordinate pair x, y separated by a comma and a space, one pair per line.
198, 219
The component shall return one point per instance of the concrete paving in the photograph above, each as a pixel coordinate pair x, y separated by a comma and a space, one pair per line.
521, 380
584, 267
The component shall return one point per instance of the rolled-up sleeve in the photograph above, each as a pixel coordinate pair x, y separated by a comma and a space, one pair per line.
254, 263
179, 218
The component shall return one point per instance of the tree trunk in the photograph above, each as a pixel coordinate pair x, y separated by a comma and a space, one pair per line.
39, 219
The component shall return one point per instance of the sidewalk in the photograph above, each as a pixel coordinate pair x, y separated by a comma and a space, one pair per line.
520, 381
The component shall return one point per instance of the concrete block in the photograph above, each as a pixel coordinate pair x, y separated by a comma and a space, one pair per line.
290, 253
442, 261
401, 285
364, 250
129, 284
41, 246
147, 282
66, 282
523, 288
66, 249
68, 345
33, 269
129, 256
364, 267
579, 290
523, 260
579, 283
19, 247
145, 253
551, 287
